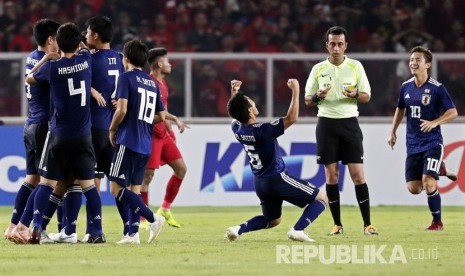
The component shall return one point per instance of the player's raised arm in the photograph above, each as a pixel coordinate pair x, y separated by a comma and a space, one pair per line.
235, 86
293, 111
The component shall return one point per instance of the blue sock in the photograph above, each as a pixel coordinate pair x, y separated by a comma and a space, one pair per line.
40, 203
124, 214
253, 224
311, 212
134, 222
135, 203
26, 217
21, 201
72, 205
88, 220
94, 204
60, 215
434, 203
50, 210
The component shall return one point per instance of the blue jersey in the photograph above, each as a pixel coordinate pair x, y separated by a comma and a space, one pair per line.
427, 102
38, 95
259, 141
107, 65
143, 95
69, 80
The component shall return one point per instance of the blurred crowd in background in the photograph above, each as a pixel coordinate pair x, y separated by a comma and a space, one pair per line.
259, 26
250, 25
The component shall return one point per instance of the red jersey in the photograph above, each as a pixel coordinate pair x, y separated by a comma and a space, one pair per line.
159, 129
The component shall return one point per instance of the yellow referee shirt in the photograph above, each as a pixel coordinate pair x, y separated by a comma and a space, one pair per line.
349, 74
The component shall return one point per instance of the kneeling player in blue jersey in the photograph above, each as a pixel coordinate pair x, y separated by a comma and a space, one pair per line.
272, 183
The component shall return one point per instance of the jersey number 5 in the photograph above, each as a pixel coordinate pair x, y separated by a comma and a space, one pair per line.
254, 158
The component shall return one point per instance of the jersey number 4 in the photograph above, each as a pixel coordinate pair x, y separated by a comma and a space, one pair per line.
78, 91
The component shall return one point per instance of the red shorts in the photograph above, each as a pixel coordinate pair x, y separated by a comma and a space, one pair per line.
164, 151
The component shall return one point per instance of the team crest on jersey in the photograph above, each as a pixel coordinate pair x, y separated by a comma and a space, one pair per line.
425, 99
427, 90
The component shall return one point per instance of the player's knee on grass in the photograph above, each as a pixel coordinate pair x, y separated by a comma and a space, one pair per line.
274, 222
321, 196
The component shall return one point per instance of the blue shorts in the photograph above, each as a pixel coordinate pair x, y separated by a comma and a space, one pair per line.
103, 151
427, 162
34, 141
128, 167
274, 189
64, 158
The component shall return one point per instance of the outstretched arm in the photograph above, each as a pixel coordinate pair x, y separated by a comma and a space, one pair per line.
180, 124
293, 111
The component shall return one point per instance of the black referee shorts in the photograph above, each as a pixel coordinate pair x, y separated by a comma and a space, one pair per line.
339, 140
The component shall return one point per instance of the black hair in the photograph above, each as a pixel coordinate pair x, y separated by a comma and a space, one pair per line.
102, 26
68, 37
155, 54
336, 30
425, 51
136, 52
238, 107
43, 29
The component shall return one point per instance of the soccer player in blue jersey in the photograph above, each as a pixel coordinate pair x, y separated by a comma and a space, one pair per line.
107, 65
427, 105
139, 106
272, 183
70, 145
36, 127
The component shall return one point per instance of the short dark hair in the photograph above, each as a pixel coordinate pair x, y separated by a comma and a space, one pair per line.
68, 37
238, 107
136, 52
155, 54
425, 51
102, 26
43, 29
336, 30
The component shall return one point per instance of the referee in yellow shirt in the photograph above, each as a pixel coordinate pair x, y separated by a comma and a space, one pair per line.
336, 85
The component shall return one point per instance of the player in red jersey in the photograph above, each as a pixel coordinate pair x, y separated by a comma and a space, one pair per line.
164, 148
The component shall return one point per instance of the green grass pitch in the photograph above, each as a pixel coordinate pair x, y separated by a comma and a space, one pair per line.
198, 247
